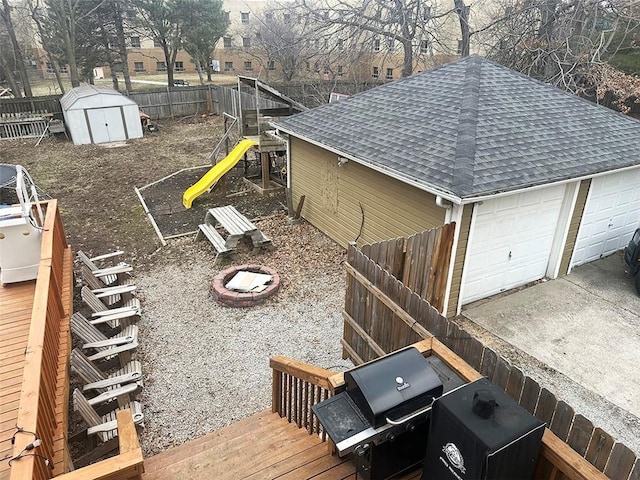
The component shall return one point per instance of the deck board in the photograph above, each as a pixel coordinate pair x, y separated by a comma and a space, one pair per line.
16, 304
263, 446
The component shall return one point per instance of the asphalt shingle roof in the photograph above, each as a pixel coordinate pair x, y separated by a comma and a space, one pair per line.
472, 128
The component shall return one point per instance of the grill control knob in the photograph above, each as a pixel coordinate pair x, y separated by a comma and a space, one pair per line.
391, 437
361, 450
411, 427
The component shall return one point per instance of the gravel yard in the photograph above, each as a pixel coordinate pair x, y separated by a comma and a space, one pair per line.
207, 365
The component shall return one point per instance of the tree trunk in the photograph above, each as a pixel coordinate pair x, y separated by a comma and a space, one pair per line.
11, 79
56, 71
167, 59
70, 47
122, 47
199, 68
6, 17
407, 64
546, 69
209, 70
463, 17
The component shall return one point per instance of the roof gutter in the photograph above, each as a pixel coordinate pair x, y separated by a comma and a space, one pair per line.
409, 181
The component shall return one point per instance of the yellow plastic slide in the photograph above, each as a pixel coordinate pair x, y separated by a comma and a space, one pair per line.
218, 170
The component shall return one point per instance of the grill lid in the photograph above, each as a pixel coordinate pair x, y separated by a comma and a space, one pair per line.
393, 385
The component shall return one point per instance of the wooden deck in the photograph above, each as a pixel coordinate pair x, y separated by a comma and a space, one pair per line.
263, 446
16, 303
35, 344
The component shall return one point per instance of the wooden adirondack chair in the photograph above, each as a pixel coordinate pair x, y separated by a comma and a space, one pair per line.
104, 427
111, 275
120, 316
97, 284
127, 380
120, 345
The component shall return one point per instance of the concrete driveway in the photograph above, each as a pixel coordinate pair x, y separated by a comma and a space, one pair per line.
585, 325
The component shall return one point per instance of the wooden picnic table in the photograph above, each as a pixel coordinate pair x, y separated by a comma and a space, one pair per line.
235, 224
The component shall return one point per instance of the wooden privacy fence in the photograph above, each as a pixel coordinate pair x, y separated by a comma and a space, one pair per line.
382, 315
159, 103
49, 104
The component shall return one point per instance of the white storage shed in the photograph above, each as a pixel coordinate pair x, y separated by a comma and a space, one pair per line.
99, 115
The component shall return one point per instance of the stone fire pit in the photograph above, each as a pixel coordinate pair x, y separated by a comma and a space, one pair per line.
233, 298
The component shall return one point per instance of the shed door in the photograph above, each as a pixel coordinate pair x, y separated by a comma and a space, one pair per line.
611, 215
511, 241
106, 124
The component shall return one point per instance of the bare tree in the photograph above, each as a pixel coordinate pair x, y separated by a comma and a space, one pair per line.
5, 16
417, 26
567, 43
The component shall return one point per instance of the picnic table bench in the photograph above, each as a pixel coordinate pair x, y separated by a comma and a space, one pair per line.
236, 224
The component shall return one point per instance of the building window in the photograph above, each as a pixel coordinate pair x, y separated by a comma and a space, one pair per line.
138, 66
248, 66
268, 17
226, 16
286, 18
271, 65
326, 70
339, 70
50, 68
228, 66
376, 44
376, 72
244, 18
316, 67
135, 42
426, 13
389, 74
161, 66
340, 44
157, 43
64, 69
390, 43
424, 46
325, 44
226, 41
246, 41
179, 67
459, 50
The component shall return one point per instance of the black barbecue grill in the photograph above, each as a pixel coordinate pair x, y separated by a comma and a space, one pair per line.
381, 418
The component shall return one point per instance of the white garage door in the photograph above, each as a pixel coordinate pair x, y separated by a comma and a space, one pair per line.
511, 241
611, 215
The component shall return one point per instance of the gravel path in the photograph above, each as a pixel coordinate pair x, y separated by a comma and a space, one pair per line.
207, 365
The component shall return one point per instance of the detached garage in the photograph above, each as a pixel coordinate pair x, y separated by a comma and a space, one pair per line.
100, 115
536, 180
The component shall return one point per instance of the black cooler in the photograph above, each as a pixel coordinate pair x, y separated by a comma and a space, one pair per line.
478, 432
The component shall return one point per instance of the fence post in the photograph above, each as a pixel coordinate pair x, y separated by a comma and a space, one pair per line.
169, 102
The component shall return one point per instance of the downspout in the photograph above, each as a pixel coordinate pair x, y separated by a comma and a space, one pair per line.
447, 205
451, 215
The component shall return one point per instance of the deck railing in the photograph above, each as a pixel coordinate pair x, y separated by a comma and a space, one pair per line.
557, 460
296, 387
41, 389
128, 464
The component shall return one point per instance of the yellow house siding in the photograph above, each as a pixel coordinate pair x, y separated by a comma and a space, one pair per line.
461, 252
572, 234
335, 194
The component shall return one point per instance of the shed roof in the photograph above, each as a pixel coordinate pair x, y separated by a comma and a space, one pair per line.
84, 91
472, 128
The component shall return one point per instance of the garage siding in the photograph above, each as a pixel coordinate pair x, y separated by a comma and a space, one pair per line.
334, 196
461, 252
574, 225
